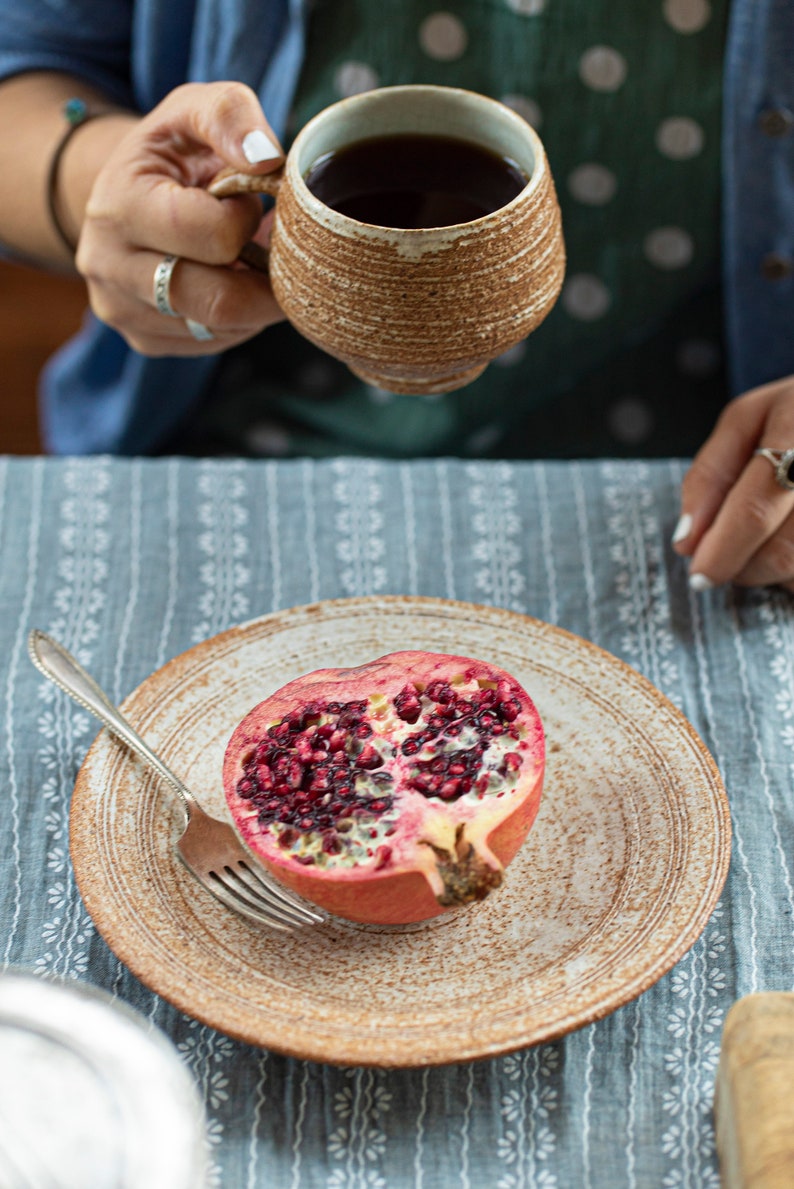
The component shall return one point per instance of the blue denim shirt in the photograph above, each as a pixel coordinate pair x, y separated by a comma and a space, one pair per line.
100, 396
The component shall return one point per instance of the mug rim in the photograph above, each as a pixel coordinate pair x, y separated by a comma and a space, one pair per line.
309, 199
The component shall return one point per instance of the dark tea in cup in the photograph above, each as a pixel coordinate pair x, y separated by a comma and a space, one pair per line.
414, 180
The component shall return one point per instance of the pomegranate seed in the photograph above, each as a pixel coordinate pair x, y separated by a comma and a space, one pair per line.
407, 704
304, 749
382, 854
246, 789
295, 774
264, 777
440, 691
363, 731
369, 758
509, 709
337, 741
449, 790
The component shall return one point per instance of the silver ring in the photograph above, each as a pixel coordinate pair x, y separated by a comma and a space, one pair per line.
199, 330
162, 286
783, 462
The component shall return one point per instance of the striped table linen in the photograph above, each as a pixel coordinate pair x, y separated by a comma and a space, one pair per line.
129, 562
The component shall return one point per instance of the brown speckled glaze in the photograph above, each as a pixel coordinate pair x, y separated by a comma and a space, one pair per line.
616, 881
416, 311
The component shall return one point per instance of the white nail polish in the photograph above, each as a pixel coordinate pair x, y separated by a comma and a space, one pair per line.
683, 528
700, 582
258, 147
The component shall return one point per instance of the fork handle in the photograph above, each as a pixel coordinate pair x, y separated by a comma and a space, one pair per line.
55, 662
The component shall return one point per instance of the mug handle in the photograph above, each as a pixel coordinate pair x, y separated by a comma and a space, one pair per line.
230, 181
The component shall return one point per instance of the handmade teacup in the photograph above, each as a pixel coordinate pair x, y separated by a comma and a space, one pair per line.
413, 309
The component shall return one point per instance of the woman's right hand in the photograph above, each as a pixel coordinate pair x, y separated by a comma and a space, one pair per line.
149, 200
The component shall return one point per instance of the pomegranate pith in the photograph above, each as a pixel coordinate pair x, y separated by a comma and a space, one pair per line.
393, 791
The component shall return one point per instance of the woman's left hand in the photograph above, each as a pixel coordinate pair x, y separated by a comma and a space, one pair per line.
737, 521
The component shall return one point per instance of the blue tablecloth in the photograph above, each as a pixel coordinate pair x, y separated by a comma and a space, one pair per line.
131, 562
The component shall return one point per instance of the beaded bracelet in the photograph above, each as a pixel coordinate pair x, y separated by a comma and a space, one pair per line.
76, 113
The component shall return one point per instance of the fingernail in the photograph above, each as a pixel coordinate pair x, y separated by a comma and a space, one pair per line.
700, 582
258, 147
683, 528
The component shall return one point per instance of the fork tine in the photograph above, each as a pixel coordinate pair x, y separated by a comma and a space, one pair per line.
240, 904
272, 895
261, 882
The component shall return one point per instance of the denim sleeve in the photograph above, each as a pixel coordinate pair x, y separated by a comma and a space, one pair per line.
87, 38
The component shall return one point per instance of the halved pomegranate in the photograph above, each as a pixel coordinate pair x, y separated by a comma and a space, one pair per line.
391, 792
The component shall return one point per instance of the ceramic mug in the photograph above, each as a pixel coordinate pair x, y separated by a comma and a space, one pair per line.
413, 311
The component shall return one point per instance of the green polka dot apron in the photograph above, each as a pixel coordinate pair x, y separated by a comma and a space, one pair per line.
627, 99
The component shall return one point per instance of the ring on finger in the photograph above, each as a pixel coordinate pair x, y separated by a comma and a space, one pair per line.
783, 463
200, 332
162, 285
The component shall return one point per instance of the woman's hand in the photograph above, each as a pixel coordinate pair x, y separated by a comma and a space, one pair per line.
149, 201
737, 522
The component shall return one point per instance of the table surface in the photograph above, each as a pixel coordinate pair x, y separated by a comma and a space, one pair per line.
130, 562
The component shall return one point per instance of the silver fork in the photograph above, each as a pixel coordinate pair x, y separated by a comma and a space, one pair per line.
209, 848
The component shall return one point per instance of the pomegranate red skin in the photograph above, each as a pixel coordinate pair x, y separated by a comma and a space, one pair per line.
441, 853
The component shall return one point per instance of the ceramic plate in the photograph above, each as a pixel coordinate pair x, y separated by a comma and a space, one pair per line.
617, 879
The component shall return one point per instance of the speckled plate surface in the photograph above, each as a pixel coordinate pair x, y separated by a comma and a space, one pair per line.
617, 879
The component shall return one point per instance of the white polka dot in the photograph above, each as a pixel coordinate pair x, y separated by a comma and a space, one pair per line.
268, 439
379, 396
512, 356
483, 438
602, 69
443, 36
585, 297
351, 78
669, 247
592, 183
630, 421
526, 8
698, 357
679, 138
687, 16
525, 107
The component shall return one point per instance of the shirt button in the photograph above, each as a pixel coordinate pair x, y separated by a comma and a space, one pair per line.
775, 266
776, 121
